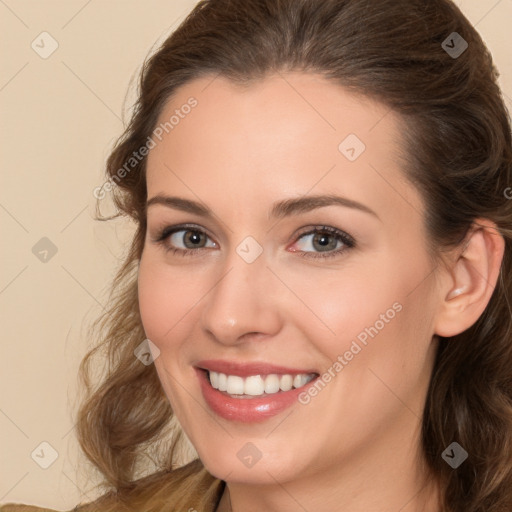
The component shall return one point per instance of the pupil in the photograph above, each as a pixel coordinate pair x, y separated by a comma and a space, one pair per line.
194, 237
323, 241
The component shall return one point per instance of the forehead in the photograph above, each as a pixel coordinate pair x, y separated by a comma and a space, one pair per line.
285, 135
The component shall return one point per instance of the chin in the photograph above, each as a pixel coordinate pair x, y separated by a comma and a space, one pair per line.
247, 464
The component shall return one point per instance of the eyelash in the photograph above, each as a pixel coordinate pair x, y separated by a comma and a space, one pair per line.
341, 236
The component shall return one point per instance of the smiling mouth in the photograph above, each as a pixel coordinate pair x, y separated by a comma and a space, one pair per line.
254, 386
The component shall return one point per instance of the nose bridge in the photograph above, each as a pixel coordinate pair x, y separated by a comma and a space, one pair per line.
240, 301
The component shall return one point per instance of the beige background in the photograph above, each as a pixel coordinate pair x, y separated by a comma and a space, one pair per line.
59, 119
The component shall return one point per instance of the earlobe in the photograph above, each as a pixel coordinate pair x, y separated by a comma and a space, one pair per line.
471, 280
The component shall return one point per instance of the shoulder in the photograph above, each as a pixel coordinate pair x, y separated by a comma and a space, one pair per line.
189, 487
12, 507
16, 507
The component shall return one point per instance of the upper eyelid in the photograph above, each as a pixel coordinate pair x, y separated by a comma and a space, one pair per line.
171, 229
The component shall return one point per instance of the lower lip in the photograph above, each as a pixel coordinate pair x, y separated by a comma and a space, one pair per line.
247, 410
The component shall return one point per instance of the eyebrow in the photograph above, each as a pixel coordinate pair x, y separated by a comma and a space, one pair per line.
279, 210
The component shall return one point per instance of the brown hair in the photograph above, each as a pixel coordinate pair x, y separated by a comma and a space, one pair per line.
459, 155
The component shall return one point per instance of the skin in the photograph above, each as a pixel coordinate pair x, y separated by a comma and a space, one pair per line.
356, 445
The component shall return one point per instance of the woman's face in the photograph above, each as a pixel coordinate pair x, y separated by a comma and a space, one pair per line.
262, 299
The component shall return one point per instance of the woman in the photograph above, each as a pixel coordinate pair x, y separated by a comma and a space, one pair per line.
317, 296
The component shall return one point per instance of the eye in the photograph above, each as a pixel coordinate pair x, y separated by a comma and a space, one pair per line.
325, 240
191, 237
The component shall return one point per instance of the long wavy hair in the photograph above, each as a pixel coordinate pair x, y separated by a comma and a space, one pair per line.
459, 156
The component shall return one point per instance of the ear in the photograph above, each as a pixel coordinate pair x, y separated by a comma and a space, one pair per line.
470, 279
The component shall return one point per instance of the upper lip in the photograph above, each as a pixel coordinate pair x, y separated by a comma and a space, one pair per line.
244, 369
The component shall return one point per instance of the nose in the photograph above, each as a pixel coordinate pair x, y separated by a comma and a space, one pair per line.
243, 302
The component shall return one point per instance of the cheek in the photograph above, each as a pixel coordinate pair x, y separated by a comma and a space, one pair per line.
346, 304
162, 300
151, 306
163, 304
375, 311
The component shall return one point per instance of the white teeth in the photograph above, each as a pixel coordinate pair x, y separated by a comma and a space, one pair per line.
286, 382
271, 383
235, 385
223, 381
256, 385
214, 379
297, 381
